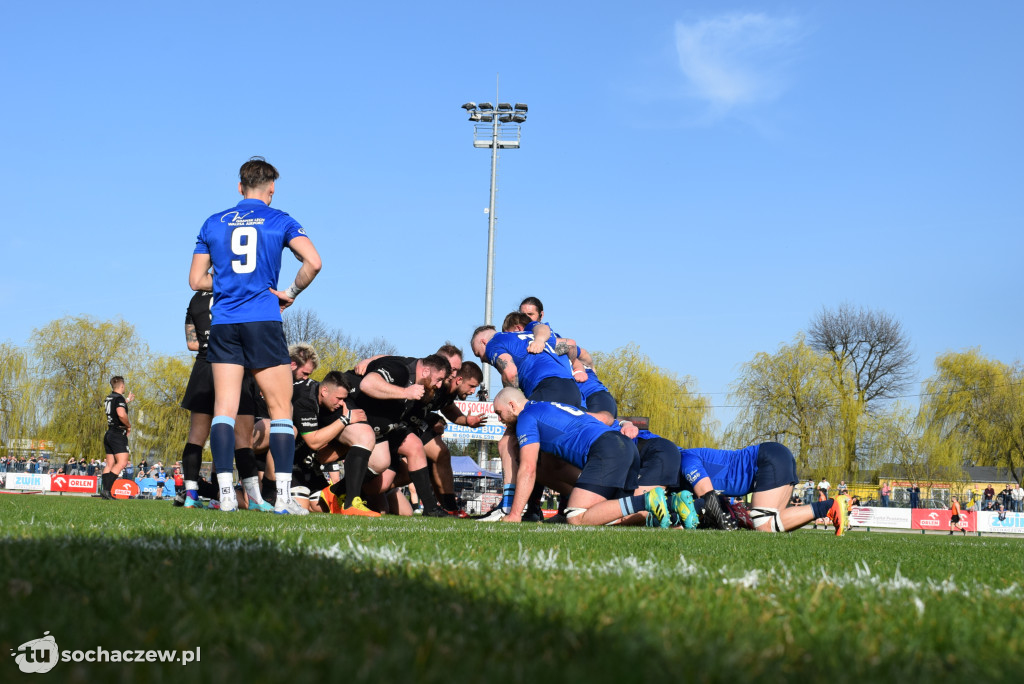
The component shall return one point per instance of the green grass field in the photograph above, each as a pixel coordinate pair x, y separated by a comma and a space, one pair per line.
325, 598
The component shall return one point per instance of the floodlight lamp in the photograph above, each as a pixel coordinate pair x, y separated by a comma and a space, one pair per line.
519, 118
487, 117
505, 118
521, 107
504, 107
486, 105
469, 106
474, 116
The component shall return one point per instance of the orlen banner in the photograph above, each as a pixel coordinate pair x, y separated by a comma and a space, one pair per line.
870, 516
491, 430
73, 483
124, 489
990, 522
28, 482
925, 519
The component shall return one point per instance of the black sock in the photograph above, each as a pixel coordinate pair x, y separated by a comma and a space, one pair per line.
245, 461
448, 501
421, 478
533, 503
208, 490
191, 460
357, 463
269, 490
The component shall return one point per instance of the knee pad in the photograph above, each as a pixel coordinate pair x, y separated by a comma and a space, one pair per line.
760, 515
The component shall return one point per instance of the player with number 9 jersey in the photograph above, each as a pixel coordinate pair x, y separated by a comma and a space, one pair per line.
245, 245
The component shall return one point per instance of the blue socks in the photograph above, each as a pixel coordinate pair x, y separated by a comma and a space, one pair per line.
222, 443
820, 508
508, 493
629, 505
282, 446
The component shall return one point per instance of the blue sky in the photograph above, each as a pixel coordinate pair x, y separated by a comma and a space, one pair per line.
699, 178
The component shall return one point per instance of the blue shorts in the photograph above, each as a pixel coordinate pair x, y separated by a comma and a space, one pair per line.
659, 463
604, 401
776, 467
612, 467
253, 345
563, 390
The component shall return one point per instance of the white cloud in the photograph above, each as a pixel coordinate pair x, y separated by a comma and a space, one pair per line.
737, 60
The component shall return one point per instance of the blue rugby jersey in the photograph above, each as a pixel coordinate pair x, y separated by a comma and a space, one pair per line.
532, 368
731, 472
245, 245
565, 431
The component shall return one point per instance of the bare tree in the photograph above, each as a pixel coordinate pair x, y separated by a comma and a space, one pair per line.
336, 348
872, 363
868, 347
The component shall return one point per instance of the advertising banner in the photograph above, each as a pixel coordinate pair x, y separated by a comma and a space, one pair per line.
73, 483
124, 489
492, 429
925, 519
870, 516
29, 482
150, 486
990, 522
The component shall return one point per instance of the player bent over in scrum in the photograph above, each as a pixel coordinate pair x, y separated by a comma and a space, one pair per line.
608, 461
766, 471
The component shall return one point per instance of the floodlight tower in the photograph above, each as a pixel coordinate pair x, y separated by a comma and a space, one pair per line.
494, 128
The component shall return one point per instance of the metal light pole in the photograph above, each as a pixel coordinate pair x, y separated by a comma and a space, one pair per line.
494, 128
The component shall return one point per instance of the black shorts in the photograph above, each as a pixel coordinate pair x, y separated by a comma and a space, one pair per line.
776, 467
602, 401
563, 390
199, 393
115, 442
612, 467
659, 463
253, 345
954, 519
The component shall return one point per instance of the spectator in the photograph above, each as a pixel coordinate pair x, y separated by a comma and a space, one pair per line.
884, 492
1018, 498
823, 486
1002, 512
161, 481
914, 492
91, 469
129, 471
843, 489
990, 494
1006, 498
809, 492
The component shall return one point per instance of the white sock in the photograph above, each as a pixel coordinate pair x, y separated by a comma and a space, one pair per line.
252, 489
226, 484
191, 486
284, 490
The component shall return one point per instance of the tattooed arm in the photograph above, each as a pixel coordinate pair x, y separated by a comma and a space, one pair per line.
507, 367
190, 337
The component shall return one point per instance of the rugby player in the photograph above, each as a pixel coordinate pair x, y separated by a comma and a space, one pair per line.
243, 246
765, 471
115, 440
198, 400
608, 461
394, 388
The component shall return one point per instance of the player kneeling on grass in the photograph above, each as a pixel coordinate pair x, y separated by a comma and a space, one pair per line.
766, 471
608, 460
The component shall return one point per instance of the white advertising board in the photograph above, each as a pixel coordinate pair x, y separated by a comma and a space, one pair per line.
990, 522
492, 429
28, 482
871, 516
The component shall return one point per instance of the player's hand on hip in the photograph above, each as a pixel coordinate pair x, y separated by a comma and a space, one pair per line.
282, 299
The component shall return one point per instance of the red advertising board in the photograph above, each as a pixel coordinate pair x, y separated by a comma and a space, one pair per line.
925, 519
73, 483
124, 489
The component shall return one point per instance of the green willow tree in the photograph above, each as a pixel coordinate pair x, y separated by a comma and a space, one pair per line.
160, 424
17, 413
974, 408
641, 388
75, 358
789, 397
